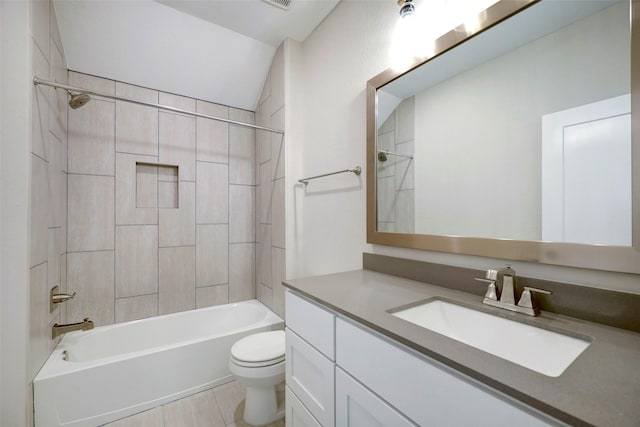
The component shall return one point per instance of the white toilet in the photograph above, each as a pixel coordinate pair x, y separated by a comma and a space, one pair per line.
258, 362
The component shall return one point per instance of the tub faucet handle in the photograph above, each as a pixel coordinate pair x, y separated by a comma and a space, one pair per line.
56, 298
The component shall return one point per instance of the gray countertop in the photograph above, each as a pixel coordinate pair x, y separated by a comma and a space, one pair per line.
601, 387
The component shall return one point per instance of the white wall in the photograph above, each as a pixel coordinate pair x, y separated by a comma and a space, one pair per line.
328, 225
15, 95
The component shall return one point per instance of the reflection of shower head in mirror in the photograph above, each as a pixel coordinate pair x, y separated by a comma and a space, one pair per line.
382, 156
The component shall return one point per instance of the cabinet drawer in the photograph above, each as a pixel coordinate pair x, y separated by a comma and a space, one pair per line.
296, 414
356, 406
310, 375
426, 391
315, 324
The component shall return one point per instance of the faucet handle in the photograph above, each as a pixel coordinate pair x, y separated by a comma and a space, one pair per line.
492, 291
526, 300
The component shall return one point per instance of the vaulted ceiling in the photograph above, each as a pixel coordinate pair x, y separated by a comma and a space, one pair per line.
216, 50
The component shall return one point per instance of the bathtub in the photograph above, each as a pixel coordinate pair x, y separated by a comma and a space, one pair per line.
118, 370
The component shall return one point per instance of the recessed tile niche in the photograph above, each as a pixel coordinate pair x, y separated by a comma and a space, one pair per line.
156, 186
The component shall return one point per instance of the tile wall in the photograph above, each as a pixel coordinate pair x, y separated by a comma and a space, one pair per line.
161, 206
270, 167
395, 176
47, 208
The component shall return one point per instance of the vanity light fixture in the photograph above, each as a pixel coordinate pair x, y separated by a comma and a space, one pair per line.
406, 8
408, 41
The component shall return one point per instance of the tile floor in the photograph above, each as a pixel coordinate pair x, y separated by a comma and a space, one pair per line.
221, 406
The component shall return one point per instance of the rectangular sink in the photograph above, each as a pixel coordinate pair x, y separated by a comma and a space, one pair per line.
540, 350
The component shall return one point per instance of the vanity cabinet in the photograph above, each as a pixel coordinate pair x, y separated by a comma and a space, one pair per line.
342, 373
310, 363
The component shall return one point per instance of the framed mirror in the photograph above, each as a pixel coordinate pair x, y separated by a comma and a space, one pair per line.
517, 139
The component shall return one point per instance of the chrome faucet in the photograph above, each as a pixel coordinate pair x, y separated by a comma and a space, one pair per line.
85, 325
501, 292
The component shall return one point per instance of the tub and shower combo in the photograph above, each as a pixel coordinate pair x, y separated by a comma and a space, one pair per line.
114, 371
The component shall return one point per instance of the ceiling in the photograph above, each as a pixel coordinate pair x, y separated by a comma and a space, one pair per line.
215, 50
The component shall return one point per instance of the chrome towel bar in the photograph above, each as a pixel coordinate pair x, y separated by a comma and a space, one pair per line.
357, 170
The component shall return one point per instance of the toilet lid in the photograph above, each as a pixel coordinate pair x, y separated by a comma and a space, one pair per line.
263, 348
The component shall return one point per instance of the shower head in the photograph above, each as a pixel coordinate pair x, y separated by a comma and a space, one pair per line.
78, 100
382, 156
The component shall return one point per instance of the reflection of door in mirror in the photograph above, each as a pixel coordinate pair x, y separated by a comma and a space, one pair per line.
586, 173
395, 168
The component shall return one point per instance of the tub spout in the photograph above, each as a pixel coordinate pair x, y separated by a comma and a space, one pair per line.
85, 325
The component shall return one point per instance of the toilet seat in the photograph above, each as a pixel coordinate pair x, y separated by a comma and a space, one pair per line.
258, 350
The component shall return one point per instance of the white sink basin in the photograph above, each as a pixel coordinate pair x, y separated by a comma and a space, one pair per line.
541, 350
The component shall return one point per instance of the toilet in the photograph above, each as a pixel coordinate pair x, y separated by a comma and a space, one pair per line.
257, 361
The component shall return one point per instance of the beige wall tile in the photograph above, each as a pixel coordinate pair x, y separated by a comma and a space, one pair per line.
278, 212
39, 210
277, 144
136, 125
39, 334
53, 258
265, 190
54, 31
241, 214
241, 155
386, 193
177, 279
146, 186
177, 101
277, 79
59, 98
212, 135
92, 138
168, 195
40, 24
177, 138
57, 183
266, 90
264, 294
136, 260
134, 308
405, 169
213, 193
263, 254
90, 213
212, 295
87, 81
278, 274
126, 211
405, 120
167, 173
242, 149
212, 251
177, 227
389, 124
41, 105
241, 272
91, 275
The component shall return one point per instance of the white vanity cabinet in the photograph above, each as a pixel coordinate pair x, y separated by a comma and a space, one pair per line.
344, 374
310, 363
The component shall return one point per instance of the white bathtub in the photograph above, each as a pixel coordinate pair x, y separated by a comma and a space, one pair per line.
118, 370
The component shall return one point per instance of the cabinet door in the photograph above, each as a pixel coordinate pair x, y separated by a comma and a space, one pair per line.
310, 375
356, 406
315, 324
427, 392
296, 414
